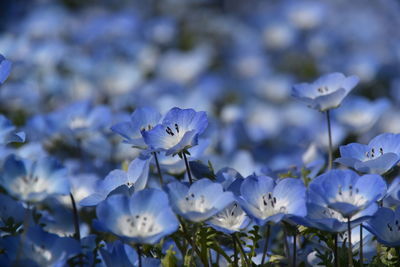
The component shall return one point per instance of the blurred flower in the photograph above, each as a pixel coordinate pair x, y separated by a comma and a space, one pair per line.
34, 181
385, 225
360, 114
5, 69
379, 156
8, 133
143, 218
326, 92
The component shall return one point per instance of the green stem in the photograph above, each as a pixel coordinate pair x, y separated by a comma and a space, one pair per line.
235, 256
286, 244
265, 250
330, 157
192, 242
349, 249
242, 250
158, 168
187, 168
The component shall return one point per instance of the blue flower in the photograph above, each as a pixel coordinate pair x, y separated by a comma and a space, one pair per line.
8, 133
142, 119
327, 92
231, 219
143, 218
179, 131
385, 225
201, 201
34, 181
347, 193
38, 248
265, 200
136, 178
5, 68
379, 156
360, 114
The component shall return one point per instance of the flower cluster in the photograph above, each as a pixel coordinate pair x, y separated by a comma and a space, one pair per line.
149, 134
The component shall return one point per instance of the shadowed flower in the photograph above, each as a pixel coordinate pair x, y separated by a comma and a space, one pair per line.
5, 68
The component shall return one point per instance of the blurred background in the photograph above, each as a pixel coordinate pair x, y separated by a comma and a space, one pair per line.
81, 66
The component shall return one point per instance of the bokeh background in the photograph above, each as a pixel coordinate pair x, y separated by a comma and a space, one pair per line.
81, 66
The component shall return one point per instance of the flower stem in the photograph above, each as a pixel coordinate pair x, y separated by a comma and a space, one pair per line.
192, 242
242, 250
361, 246
330, 157
76, 218
265, 250
235, 256
139, 253
158, 168
335, 250
350, 253
286, 244
187, 168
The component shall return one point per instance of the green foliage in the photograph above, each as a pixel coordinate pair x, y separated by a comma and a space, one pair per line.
169, 259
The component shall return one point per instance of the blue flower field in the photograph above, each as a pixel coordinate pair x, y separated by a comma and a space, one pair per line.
199, 133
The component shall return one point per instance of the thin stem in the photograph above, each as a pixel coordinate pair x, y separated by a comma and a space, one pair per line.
191, 242
335, 250
76, 218
187, 168
286, 244
350, 253
361, 246
242, 250
328, 120
139, 253
294, 248
158, 168
235, 256
265, 250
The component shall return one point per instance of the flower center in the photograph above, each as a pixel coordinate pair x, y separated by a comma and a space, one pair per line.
138, 225
270, 206
193, 202
374, 153
350, 195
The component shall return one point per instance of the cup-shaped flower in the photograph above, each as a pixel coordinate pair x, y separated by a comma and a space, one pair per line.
5, 68
142, 119
385, 225
231, 219
34, 181
143, 218
266, 200
135, 178
347, 193
199, 202
179, 131
327, 92
379, 156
